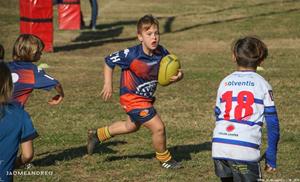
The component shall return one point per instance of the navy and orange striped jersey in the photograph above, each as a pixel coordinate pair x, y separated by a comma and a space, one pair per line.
139, 75
26, 77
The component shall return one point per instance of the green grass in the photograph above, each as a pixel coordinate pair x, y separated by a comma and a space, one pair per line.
200, 33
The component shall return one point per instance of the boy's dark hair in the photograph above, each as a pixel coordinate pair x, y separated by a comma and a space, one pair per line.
26, 48
6, 84
146, 22
249, 51
2, 52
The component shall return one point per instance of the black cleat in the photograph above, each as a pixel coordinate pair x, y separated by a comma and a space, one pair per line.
171, 164
92, 141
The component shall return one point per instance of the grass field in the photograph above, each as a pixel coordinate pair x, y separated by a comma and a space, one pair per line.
200, 33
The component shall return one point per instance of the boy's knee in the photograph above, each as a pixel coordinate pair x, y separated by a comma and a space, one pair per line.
159, 130
132, 128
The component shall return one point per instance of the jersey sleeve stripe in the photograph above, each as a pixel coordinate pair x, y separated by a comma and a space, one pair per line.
270, 110
217, 111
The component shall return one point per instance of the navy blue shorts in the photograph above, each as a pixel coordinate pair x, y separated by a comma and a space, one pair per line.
239, 171
142, 115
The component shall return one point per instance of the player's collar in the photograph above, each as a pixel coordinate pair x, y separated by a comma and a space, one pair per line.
253, 71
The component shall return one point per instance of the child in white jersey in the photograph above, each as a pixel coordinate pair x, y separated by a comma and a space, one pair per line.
244, 102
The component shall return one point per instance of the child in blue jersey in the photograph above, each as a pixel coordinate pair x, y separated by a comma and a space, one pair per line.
26, 75
244, 103
15, 128
139, 66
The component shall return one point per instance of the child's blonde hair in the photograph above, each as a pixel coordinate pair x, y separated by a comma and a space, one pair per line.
26, 48
6, 84
146, 22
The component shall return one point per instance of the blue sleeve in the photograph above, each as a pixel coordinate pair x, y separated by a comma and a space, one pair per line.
28, 131
121, 58
217, 112
44, 81
273, 134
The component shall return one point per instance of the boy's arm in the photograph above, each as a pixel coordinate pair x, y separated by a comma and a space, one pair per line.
46, 82
120, 58
26, 155
273, 137
28, 135
59, 97
107, 85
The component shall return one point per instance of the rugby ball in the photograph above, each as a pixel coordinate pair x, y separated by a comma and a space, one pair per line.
168, 67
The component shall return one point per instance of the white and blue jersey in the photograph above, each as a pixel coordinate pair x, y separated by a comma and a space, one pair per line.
244, 103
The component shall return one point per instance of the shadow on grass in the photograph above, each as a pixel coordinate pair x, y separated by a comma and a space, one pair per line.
251, 6
180, 152
98, 38
73, 153
167, 26
237, 19
99, 35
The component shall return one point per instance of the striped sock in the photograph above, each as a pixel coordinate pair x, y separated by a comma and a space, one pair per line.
164, 156
103, 134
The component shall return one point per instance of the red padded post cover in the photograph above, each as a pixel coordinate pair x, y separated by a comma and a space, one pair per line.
36, 18
69, 15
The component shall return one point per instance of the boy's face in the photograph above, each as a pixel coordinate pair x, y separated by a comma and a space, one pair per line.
149, 39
